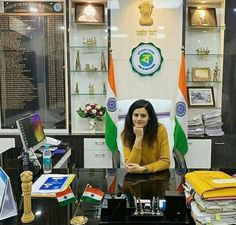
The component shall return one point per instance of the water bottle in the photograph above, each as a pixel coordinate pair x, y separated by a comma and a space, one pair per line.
47, 160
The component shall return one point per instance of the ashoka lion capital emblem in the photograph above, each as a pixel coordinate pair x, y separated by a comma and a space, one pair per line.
146, 12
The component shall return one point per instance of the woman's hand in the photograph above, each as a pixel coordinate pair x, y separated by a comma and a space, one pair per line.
138, 132
138, 137
134, 168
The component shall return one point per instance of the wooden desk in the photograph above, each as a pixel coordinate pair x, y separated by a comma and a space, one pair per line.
48, 211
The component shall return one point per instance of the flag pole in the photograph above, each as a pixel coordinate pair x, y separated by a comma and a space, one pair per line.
75, 218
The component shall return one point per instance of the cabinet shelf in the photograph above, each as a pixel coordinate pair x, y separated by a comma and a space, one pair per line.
84, 71
87, 94
204, 55
204, 81
89, 47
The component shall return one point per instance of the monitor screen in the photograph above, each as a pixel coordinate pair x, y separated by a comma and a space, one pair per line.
31, 132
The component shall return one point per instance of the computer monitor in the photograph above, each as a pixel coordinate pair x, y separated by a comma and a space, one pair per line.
31, 132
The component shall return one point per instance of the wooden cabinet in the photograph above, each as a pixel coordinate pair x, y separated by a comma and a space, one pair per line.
96, 154
223, 152
199, 153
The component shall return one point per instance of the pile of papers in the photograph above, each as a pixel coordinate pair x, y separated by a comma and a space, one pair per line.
213, 197
209, 123
213, 123
195, 126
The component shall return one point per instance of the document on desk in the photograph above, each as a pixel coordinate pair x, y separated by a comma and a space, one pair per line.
7, 203
212, 184
47, 185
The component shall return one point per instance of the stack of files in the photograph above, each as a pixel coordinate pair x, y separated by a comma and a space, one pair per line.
213, 197
195, 126
213, 123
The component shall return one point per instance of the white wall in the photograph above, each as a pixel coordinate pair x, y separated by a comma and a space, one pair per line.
168, 23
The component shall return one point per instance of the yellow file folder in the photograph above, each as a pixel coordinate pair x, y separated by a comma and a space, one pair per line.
212, 184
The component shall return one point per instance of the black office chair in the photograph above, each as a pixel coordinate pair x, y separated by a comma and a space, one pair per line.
180, 163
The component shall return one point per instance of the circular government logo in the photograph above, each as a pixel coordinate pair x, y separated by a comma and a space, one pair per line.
180, 109
57, 7
111, 104
146, 59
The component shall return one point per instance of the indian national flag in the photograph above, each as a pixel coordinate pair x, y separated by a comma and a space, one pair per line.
181, 112
111, 113
92, 195
65, 197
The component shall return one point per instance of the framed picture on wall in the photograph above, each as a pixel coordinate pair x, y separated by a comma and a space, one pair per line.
201, 96
201, 74
89, 13
205, 17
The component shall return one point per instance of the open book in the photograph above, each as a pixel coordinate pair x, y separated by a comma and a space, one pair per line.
47, 185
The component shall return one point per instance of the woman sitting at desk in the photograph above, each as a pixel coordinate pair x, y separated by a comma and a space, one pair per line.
145, 141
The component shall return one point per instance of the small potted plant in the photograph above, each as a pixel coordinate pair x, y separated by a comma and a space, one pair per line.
93, 111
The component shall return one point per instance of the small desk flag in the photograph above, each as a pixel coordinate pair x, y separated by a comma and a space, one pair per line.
92, 195
65, 197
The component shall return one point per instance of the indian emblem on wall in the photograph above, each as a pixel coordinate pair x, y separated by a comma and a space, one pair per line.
146, 12
146, 59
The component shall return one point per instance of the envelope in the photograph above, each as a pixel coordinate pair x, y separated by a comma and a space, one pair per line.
212, 184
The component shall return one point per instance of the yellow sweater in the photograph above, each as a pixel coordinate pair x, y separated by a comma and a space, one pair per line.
156, 158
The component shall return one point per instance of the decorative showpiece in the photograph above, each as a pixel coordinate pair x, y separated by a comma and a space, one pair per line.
216, 73
203, 51
146, 8
26, 179
187, 75
89, 13
89, 68
104, 88
201, 96
146, 59
79, 220
103, 62
77, 87
199, 17
77, 62
201, 74
94, 112
91, 89
89, 41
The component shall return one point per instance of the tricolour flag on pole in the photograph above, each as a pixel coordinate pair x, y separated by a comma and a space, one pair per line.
92, 195
65, 197
181, 112
111, 113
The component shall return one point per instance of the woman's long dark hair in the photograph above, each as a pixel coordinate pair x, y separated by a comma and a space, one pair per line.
150, 130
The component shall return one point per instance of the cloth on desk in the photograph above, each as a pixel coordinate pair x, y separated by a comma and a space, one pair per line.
212, 184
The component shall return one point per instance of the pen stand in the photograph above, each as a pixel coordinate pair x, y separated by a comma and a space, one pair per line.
146, 210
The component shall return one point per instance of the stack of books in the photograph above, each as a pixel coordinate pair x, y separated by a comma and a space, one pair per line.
213, 123
195, 126
213, 197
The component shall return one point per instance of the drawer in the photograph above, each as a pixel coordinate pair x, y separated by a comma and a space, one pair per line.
91, 144
98, 159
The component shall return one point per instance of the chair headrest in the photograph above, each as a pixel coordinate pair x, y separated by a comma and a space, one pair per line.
161, 106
